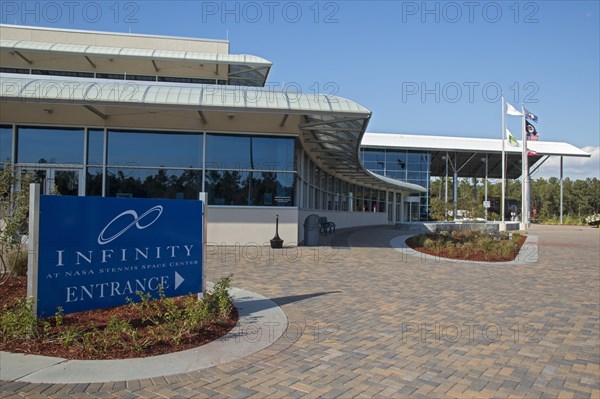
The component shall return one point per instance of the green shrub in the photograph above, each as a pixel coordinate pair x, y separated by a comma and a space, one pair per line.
17, 321
219, 300
168, 320
428, 243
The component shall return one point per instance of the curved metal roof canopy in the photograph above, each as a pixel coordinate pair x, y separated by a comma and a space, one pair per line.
244, 70
331, 133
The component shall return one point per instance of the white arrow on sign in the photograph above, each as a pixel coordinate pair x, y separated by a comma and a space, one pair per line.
178, 280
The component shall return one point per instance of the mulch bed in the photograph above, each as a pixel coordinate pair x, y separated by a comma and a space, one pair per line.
480, 256
15, 288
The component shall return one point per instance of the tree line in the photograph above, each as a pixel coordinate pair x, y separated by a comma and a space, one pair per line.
581, 198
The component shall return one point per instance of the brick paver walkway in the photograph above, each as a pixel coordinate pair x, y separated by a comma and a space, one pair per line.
367, 321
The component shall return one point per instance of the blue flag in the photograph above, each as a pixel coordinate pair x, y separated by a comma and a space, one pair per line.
530, 116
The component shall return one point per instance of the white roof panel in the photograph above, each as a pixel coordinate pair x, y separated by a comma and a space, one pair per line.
74, 49
466, 144
18, 87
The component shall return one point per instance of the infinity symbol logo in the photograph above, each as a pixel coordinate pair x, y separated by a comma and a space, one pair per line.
136, 222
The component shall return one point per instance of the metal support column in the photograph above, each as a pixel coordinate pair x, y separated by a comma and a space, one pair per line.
455, 193
446, 181
561, 190
485, 194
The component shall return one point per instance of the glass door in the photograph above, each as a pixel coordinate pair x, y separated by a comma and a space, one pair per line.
411, 211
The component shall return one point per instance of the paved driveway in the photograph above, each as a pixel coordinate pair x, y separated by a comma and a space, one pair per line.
367, 320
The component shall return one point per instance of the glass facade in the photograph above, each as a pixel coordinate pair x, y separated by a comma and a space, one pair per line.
319, 190
243, 170
233, 169
409, 166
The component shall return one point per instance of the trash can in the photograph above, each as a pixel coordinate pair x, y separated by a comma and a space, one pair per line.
311, 231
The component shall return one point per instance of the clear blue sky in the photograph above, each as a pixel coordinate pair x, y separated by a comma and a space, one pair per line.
382, 54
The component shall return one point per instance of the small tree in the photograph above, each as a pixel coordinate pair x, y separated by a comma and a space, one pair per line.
14, 214
439, 209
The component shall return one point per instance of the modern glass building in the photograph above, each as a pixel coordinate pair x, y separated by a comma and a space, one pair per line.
417, 159
168, 117
165, 117
403, 165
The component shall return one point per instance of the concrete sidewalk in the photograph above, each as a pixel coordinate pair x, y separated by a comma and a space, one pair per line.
365, 320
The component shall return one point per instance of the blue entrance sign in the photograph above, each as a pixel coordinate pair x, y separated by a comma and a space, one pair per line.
96, 252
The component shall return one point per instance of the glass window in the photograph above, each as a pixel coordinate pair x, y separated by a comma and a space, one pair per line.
119, 76
374, 156
174, 79
396, 175
14, 70
271, 188
245, 152
145, 78
5, 144
95, 146
414, 157
227, 187
154, 149
231, 187
50, 145
271, 153
228, 152
153, 183
396, 161
93, 186
74, 74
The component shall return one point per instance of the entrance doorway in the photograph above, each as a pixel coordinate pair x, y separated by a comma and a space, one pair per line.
411, 211
57, 180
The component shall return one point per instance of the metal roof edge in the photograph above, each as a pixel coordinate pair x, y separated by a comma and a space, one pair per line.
98, 32
455, 144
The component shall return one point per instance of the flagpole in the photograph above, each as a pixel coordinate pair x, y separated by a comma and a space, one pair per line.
502, 196
524, 174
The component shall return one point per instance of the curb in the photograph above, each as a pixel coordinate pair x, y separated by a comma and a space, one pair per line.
261, 323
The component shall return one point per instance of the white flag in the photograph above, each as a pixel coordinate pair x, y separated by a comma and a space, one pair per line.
510, 110
511, 139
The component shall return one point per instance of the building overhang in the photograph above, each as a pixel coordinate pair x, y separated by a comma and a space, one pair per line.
237, 69
470, 154
330, 128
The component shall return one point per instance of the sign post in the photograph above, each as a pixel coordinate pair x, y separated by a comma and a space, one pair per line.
32, 244
203, 198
